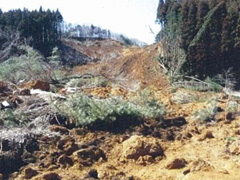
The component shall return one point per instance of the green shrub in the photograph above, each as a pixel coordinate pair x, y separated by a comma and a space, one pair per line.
86, 110
29, 66
10, 118
232, 106
88, 82
207, 113
214, 86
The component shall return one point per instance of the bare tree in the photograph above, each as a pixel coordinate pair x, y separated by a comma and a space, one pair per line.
172, 57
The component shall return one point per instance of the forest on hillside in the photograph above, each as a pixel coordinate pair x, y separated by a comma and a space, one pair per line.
41, 29
209, 33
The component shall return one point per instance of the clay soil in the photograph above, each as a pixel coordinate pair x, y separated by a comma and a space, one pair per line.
180, 147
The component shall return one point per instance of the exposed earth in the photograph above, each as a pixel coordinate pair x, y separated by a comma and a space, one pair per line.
183, 146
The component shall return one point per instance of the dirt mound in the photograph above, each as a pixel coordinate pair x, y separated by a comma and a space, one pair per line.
137, 146
181, 145
133, 68
103, 50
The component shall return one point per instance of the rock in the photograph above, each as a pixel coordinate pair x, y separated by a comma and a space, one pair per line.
64, 160
230, 116
219, 117
89, 155
10, 161
25, 92
206, 135
16, 101
44, 86
234, 148
92, 174
6, 104
67, 145
51, 176
3, 87
200, 165
60, 129
145, 160
177, 164
237, 132
29, 173
137, 146
28, 157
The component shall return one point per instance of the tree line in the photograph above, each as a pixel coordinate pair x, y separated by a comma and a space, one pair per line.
92, 31
40, 28
209, 31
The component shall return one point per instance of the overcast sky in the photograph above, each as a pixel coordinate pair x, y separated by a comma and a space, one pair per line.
130, 17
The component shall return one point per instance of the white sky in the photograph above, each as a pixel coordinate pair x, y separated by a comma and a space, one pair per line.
130, 17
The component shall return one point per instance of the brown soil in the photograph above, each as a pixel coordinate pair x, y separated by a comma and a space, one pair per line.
135, 68
152, 150
179, 148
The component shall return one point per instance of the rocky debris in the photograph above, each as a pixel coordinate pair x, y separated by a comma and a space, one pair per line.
65, 161
51, 176
92, 174
234, 147
61, 155
200, 165
5, 105
167, 129
17, 146
177, 163
73, 57
206, 135
67, 145
11, 102
219, 117
42, 85
25, 92
29, 173
3, 87
137, 146
10, 162
230, 116
46, 96
89, 155
145, 160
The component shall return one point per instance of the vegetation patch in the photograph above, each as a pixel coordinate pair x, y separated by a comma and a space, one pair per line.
29, 66
108, 114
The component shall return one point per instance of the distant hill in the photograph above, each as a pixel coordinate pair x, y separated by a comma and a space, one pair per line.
84, 31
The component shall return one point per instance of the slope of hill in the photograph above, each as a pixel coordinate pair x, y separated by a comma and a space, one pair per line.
195, 136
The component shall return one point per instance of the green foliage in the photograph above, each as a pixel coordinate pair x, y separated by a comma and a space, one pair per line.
86, 110
126, 40
10, 118
214, 86
230, 139
209, 32
41, 28
97, 81
182, 97
29, 66
232, 106
207, 113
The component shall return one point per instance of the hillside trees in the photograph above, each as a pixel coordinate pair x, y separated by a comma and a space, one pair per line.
41, 28
209, 31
